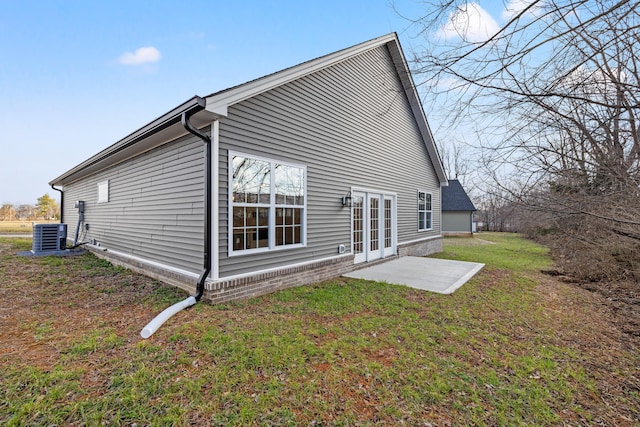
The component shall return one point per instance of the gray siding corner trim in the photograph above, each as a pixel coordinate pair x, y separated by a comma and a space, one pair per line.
215, 196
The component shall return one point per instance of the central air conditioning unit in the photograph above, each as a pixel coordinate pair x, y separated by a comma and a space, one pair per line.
49, 237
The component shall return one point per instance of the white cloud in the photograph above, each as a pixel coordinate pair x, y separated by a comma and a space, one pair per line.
593, 82
140, 56
514, 7
471, 23
447, 84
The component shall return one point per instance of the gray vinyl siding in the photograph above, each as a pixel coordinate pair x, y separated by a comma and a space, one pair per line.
351, 125
155, 209
456, 221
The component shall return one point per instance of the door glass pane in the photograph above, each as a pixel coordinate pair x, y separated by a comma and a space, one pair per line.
387, 223
374, 208
358, 224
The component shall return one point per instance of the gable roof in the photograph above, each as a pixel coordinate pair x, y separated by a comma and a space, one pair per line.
203, 110
454, 198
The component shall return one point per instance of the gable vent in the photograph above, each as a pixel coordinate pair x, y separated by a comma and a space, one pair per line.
49, 237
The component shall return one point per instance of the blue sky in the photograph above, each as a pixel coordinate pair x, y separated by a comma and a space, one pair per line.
76, 76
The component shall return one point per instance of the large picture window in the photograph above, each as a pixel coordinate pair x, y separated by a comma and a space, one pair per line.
425, 212
267, 204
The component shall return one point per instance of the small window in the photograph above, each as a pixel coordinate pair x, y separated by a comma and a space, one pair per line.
424, 211
103, 191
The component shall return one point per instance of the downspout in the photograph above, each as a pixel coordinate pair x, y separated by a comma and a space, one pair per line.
61, 203
152, 326
207, 205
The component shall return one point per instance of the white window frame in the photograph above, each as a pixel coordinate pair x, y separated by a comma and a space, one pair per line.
103, 191
425, 211
271, 205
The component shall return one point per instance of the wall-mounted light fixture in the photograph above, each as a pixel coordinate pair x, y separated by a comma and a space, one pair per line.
346, 200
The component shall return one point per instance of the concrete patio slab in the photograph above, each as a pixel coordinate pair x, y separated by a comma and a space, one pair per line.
443, 276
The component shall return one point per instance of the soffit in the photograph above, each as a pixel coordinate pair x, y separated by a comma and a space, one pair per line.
159, 132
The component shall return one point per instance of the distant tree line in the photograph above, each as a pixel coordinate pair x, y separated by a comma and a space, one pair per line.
46, 208
555, 96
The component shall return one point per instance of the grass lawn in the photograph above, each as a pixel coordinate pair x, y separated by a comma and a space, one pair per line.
20, 227
511, 347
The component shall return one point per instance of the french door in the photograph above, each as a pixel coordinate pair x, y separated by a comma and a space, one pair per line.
373, 225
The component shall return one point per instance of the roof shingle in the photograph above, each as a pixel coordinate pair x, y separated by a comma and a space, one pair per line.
454, 198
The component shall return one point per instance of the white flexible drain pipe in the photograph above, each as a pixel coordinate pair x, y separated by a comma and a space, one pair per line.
153, 326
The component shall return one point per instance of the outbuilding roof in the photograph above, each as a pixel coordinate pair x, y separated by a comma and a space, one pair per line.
454, 198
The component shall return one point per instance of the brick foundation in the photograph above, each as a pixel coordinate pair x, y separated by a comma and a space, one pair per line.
287, 277
250, 286
253, 285
458, 233
424, 247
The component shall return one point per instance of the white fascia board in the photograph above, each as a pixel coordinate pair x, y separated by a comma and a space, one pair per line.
416, 106
219, 103
216, 107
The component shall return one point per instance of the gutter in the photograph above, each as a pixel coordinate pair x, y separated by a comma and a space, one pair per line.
163, 122
152, 326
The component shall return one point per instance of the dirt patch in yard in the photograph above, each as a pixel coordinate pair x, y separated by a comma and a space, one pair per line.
598, 326
622, 298
48, 305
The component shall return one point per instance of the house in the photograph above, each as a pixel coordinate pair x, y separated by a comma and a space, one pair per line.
457, 210
292, 178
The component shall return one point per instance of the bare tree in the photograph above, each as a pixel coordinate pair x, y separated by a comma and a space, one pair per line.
456, 162
556, 94
25, 212
7, 212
